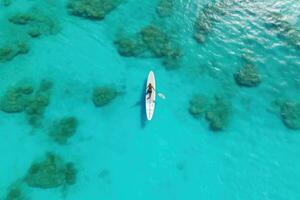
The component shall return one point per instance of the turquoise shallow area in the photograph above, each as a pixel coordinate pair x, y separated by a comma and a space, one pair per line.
120, 156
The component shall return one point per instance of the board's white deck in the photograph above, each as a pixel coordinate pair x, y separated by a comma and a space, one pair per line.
150, 103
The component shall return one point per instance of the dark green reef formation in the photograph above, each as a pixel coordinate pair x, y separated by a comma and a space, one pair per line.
208, 16
217, 111
61, 130
15, 192
275, 21
290, 114
35, 23
165, 8
92, 9
151, 39
51, 172
103, 95
6, 3
247, 76
24, 98
13, 49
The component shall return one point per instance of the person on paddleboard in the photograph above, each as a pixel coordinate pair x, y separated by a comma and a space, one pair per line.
149, 90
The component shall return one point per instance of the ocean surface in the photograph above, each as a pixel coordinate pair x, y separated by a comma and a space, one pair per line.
119, 155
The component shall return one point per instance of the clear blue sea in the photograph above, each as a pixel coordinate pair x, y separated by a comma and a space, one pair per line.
117, 153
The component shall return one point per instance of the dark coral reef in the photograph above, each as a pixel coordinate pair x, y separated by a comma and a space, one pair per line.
51, 172
129, 46
247, 76
35, 23
38, 103
153, 40
198, 105
209, 15
61, 130
285, 30
92, 9
217, 112
6, 3
16, 98
103, 95
15, 192
290, 114
13, 49
23, 97
165, 8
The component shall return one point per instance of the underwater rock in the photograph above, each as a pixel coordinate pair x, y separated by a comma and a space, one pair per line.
290, 114
198, 106
218, 114
247, 76
10, 51
104, 95
51, 172
92, 9
165, 8
16, 99
129, 47
63, 129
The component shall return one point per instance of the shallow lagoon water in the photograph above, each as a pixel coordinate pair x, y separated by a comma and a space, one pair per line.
118, 155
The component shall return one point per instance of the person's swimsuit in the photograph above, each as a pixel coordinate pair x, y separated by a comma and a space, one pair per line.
149, 91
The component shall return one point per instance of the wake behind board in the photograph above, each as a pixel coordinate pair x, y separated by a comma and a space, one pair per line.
150, 103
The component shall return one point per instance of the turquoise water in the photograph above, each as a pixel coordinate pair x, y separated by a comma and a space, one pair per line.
117, 154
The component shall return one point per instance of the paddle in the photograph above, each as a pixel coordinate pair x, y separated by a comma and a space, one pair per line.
161, 95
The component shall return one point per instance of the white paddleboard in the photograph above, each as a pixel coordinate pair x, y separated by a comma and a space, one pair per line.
150, 103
